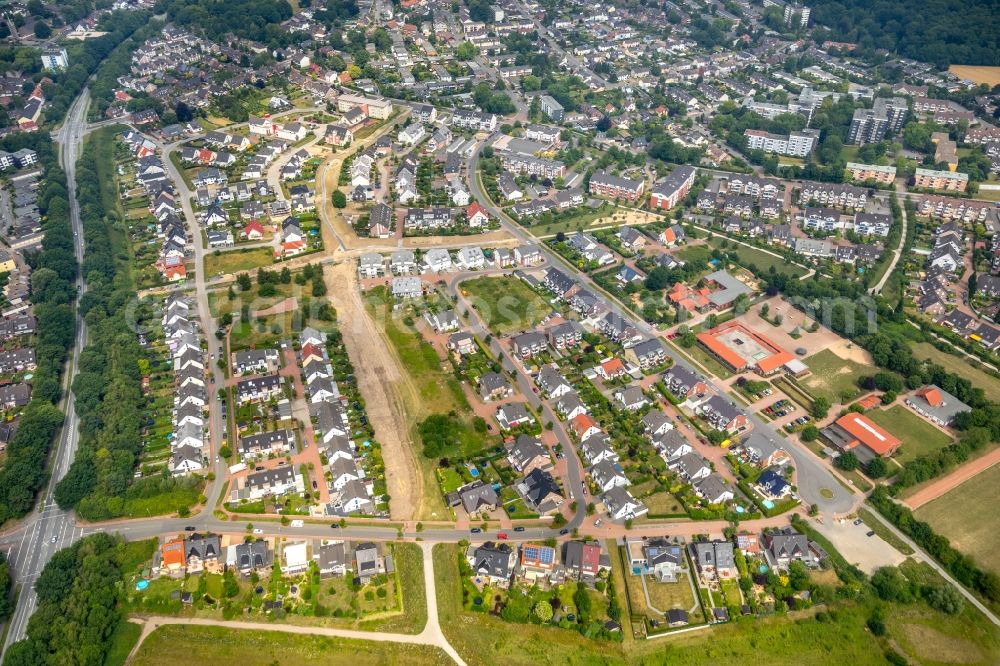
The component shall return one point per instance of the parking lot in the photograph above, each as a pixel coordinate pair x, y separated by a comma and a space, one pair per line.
867, 552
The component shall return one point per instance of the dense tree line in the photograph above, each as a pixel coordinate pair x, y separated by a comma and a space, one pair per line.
54, 270
85, 60
108, 388
258, 20
934, 31
78, 594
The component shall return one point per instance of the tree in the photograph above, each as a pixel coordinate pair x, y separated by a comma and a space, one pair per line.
821, 407
339, 199
946, 599
243, 282
877, 468
809, 433
543, 611
891, 585
42, 30
847, 461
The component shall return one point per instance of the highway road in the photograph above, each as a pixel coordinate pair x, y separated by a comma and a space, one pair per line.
49, 528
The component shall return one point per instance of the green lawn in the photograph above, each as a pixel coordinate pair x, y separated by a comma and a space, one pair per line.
235, 261
760, 259
832, 377
695, 254
506, 304
961, 514
959, 366
225, 645
663, 504
437, 390
918, 436
124, 638
581, 220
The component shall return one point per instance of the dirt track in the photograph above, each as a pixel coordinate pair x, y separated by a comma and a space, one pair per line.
381, 382
956, 478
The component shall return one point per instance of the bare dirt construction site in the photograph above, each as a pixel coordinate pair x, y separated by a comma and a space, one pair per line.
980, 74
381, 382
849, 351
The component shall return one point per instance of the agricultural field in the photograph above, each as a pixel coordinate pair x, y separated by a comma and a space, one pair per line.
978, 73
918, 436
833, 377
506, 304
959, 515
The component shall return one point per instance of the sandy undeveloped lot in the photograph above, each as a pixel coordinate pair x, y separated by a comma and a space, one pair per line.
381, 382
848, 351
868, 553
978, 73
625, 216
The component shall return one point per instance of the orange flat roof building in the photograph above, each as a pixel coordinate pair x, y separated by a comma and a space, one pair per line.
742, 348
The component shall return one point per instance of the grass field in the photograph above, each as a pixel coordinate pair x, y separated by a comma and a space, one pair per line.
124, 638
759, 258
223, 645
918, 436
959, 515
959, 366
584, 219
670, 595
506, 304
235, 261
833, 376
978, 73
695, 254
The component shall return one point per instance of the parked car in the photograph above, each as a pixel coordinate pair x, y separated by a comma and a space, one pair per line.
476, 530
189, 528
501, 535
518, 529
